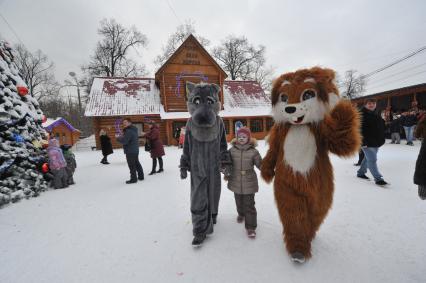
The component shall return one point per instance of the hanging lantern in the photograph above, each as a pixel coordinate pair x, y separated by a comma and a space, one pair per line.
22, 90
45, 168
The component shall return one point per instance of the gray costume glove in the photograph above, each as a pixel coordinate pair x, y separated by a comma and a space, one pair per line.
227, 170
183, 173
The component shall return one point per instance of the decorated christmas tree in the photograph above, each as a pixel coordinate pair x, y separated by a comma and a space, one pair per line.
22, 137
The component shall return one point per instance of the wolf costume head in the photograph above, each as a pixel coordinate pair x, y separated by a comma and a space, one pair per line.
203, 103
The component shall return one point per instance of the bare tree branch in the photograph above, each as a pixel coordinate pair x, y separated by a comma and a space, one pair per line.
353, 84
176, 39
242, 60
111, 56
37, 72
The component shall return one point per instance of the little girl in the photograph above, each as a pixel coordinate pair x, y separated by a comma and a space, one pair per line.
57, 165
243, 179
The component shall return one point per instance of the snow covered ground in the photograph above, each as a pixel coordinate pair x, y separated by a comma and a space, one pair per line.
101, 230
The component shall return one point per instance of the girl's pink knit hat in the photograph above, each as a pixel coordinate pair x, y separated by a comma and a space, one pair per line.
244, 130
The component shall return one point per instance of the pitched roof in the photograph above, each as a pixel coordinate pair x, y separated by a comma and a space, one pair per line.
140, 96
182, 46
405, 90
123, 96
245, 98
52, 123
241, 98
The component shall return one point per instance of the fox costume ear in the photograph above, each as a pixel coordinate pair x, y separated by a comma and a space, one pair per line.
189, 87
324, 74
330, 75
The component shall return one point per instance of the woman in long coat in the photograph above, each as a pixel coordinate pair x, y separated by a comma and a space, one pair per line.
157, 149
106, 146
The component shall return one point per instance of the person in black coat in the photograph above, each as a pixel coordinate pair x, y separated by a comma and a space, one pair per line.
106, 146
130, 142
373, 137
420, 173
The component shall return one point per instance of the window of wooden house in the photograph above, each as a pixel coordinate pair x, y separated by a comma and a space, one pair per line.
256, 125
269, 123
139, 126
226, 123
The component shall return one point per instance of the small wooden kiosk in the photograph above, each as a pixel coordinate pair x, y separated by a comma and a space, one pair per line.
62, 130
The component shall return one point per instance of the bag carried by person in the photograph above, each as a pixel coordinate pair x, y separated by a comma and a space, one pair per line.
148, 146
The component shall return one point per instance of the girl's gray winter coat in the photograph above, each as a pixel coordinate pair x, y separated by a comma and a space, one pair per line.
243, 179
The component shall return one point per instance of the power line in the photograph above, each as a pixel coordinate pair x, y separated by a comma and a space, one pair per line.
394, 63
13, 31
396, 74
369, 59
402, 79
173, 10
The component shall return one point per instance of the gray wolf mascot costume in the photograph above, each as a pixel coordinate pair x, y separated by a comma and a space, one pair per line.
204, 155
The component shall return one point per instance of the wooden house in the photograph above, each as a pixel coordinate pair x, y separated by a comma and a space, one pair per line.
62, 130
397, 100
163, 99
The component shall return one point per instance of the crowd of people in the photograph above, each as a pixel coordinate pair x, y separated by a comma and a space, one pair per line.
373, 130
241, 176
403, 122
130, 141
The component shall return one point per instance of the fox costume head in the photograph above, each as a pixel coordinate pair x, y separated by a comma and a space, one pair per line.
304, 96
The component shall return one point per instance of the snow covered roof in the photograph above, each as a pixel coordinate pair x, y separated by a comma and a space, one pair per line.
52, 123
139, 96
241, 98
245, 98
123, 96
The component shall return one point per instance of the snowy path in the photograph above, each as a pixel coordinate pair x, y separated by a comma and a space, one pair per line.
101, 230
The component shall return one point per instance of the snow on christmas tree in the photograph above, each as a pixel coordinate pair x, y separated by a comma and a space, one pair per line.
21, 135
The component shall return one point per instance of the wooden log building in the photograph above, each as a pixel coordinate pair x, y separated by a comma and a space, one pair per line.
62, 130
162, 99
397, 100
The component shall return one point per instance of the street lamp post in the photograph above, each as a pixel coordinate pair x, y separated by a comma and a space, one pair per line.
74, 76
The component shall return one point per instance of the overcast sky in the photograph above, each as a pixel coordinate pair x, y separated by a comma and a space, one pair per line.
363, 35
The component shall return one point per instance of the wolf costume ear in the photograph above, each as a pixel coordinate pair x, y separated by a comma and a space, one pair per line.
216, 88
189, 87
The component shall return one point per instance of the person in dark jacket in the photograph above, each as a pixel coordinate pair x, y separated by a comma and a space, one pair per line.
395, 128
157, 149
71, 162
420, 173
130, 142
176, 134
409, 121
373, 133
106, 146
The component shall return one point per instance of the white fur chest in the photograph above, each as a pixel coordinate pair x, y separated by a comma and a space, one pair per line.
300, 149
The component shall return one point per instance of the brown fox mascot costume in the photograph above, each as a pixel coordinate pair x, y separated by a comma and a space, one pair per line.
310, 121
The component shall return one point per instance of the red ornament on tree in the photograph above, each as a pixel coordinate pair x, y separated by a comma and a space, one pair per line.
45, 168
22, 90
